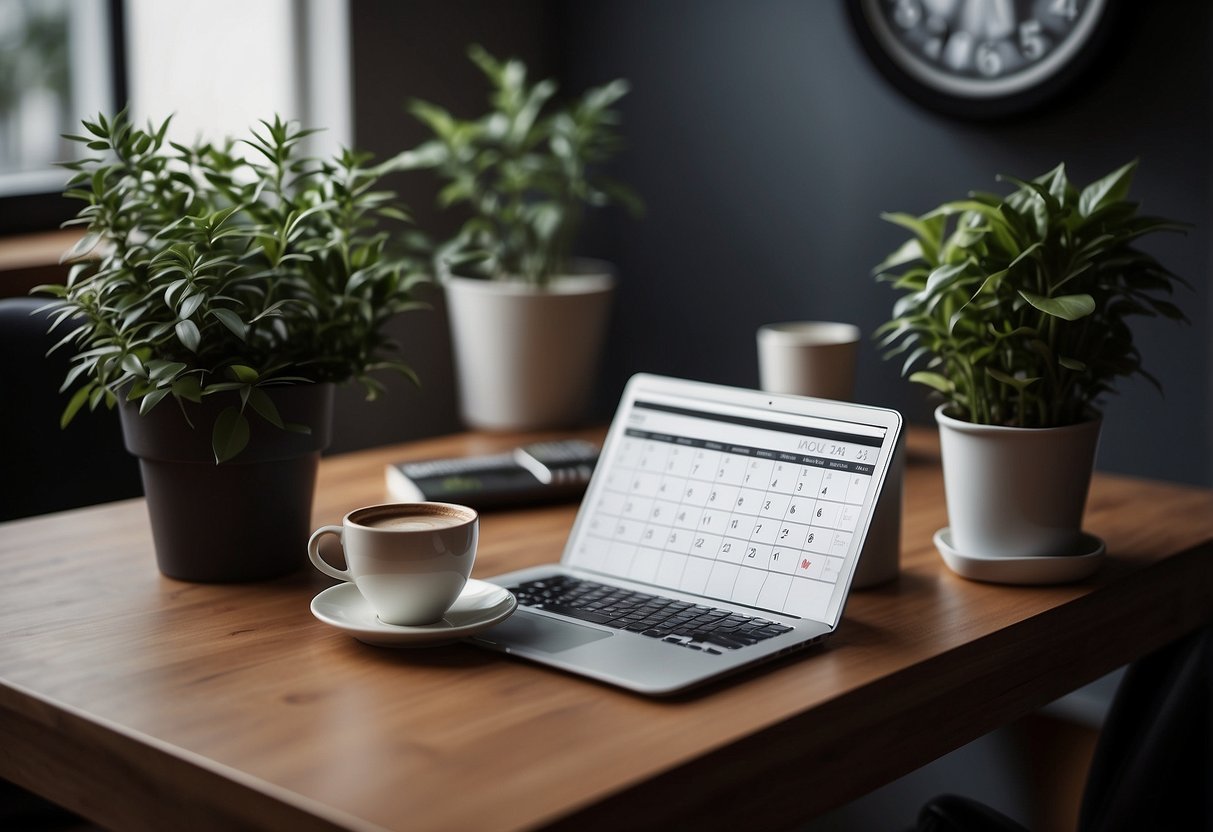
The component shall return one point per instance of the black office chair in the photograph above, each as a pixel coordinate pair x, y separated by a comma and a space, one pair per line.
45, 468
1153, 763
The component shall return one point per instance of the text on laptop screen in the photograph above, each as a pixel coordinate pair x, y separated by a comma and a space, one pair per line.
726, 502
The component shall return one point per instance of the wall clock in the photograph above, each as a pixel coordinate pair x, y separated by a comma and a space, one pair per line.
982, 58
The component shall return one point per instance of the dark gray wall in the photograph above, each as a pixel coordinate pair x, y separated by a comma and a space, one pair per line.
766, 146
411, 50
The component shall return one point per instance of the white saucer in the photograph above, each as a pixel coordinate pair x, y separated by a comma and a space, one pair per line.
480, 605
1026, 571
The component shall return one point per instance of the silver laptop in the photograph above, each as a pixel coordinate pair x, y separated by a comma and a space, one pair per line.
721, 528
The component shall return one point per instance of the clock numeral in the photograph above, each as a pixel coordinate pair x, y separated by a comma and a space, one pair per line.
1031, 40
907, 13
1065, 8
988, 59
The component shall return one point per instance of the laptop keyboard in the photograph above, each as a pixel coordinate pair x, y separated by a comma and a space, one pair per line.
690, 625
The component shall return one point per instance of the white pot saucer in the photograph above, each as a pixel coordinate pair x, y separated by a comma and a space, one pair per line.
480, 605
1027, 571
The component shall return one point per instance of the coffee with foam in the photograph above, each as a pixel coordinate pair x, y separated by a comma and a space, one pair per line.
411, 522
409, 560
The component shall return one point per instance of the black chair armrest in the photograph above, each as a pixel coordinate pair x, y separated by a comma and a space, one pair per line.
953, 813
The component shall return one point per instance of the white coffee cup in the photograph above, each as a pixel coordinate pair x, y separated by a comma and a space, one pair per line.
409, 560
808, 358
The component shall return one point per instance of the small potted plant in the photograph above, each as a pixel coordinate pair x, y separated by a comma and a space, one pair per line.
527, 321
1015, 310
222, 298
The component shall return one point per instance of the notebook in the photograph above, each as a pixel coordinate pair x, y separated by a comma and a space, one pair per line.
721, 528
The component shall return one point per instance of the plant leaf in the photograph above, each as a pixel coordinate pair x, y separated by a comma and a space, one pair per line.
1067, 307
188, 387
1109, 189
264, 405
934, 380
188, 335
232, 321
1017, 383
230, 435
244, 373
74, 404
152, 399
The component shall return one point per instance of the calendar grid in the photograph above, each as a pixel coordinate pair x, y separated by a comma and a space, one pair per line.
699, 461
751, 525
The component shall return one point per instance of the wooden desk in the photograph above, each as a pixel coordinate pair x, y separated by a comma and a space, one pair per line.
28, 260
146, 703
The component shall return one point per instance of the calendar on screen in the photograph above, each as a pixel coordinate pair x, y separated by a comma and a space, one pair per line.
731, 505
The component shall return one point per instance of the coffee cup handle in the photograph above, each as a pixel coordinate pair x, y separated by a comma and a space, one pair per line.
313, 552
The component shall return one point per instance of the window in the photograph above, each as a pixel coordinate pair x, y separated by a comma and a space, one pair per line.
60, 60
217, 66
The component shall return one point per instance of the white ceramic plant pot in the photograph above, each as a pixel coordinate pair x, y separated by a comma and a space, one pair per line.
527, 358
1016, 492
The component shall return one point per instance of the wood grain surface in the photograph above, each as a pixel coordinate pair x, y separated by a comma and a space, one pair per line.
145, 703
28, 260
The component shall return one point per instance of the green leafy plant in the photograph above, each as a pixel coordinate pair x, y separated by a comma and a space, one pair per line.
205, 272
525, 170
1016, 309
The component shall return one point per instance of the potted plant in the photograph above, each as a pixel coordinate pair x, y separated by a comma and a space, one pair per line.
527, 321
222, 298
1015, 310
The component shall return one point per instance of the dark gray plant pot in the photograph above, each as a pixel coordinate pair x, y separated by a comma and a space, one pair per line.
243, 520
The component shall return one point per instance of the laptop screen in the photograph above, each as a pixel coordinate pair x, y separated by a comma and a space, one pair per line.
758, 507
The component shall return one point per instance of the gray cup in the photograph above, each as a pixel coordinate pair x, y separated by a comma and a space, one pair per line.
808, 358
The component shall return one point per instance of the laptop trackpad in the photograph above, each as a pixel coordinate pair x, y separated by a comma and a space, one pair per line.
538, 632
